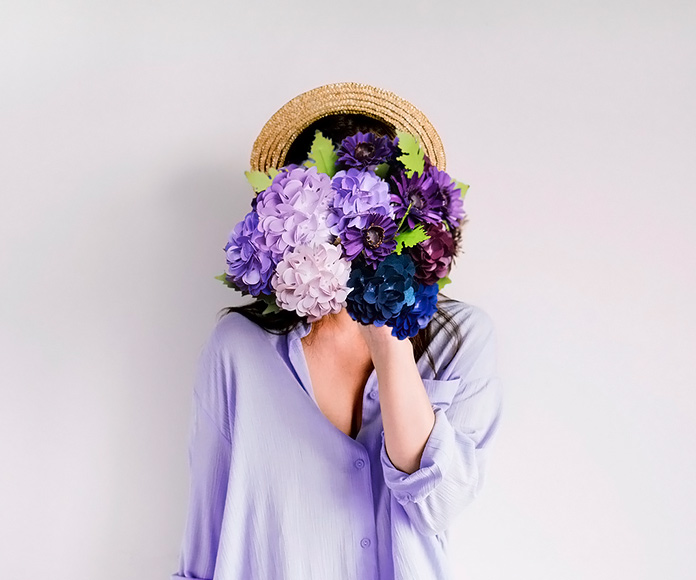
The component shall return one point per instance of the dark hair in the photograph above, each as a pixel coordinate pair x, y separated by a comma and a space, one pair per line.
337, 128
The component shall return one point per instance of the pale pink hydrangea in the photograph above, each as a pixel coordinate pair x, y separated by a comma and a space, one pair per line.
313, 281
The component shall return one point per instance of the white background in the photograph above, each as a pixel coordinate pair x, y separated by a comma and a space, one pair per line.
125, 128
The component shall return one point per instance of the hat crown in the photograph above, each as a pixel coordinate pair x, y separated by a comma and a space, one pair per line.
278, 134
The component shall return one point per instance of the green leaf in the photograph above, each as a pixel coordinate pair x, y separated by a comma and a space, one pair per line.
410, 238
442, 281
322, 155
382, 169
463, 187
225, 280
258, 180
271, 305
271, 308
412, 158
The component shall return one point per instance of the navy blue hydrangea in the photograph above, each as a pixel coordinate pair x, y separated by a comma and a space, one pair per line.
414, 318
380, 295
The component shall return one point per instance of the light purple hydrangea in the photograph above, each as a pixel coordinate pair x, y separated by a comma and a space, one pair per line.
293, 210
357, 193
313, 281
249, 260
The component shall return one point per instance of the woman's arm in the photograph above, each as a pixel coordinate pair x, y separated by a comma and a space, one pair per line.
209, 463
454, 453
407, 415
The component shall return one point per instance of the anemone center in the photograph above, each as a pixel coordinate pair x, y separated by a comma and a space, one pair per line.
416, 199
364, 151
374, 236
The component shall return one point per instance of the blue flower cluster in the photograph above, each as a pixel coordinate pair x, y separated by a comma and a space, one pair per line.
390, 295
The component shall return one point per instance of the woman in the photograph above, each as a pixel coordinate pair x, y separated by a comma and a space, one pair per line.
332, 449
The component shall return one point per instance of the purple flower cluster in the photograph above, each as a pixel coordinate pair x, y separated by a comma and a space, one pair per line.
318, 243
366, 150
293, 210
357, 194
250, 262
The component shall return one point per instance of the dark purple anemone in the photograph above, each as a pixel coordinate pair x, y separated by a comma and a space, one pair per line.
364, 150
451, 195
421, 194
375, 240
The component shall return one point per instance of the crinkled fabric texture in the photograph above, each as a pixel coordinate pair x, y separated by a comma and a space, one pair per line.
277, 492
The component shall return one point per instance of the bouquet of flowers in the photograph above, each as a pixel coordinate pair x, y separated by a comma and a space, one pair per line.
367, 225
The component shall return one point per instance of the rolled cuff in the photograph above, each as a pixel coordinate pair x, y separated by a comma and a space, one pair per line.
435, 460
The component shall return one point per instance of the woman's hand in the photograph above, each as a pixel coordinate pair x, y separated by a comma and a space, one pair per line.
407, 415
380, 336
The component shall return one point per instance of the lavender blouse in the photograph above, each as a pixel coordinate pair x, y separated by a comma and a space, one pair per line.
277, 492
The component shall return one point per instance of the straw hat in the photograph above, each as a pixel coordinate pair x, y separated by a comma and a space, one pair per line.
273, 143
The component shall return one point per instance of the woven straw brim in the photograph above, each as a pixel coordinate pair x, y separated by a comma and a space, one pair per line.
278, 134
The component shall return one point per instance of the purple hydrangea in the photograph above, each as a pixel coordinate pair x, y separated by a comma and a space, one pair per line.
356, 194
365, 150
375, 241
293, 210
417, 198
250, 263
284, 169
451, 195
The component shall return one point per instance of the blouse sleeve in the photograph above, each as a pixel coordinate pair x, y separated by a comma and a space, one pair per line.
453, 464
209, 465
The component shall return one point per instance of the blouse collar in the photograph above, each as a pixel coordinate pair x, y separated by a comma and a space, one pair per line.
297, 356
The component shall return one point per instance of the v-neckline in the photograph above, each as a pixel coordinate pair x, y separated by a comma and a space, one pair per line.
299, 361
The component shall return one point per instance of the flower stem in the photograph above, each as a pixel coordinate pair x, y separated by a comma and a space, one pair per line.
404, 216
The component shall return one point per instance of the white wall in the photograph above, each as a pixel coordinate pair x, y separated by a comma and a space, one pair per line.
125, 128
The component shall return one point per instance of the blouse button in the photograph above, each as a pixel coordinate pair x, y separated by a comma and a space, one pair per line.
359, 463
373, 394
365, 542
